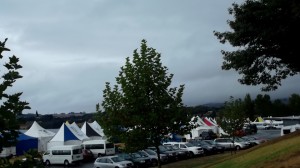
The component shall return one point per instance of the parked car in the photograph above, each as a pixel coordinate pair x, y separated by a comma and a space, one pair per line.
194, 150
254, 139
87, 155
153, 154
181, 153
228, 143
137, 159
112, 162
217, 147
172, 155
207, 147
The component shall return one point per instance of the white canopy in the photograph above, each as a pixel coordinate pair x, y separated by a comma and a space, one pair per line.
42, 134
37, 131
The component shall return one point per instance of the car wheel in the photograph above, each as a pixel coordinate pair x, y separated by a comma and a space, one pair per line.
237, 147
47, 163
66, 163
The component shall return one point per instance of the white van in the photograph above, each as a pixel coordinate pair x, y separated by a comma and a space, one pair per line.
99, 147
67, 154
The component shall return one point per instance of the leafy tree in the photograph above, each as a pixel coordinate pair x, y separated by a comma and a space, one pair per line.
142, 108
249, 107
263, 105
267, 35
294, 104
233, 117
279, 108
11, 105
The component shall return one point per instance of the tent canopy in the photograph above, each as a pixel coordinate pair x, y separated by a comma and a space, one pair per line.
69, 132
37, 131
91, 130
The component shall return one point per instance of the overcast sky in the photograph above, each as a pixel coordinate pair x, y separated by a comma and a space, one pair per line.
70, 48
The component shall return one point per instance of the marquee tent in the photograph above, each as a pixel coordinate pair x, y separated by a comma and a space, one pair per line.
200, 127
43, 135
92, 131
68, 134
97, 127
25, 143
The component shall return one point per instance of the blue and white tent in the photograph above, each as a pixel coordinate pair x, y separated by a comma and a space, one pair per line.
68, 134
43, 135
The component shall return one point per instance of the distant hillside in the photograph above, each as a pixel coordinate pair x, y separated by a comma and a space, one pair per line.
214, 105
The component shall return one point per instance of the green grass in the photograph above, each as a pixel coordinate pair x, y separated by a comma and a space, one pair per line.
263, 154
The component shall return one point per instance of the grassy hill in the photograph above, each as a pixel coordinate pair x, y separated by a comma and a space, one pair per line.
283, 152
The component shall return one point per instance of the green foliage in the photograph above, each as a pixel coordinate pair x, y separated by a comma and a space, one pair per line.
32, 159
11, 104
233, 116
249, 107
294, 103
266, 33
141, 109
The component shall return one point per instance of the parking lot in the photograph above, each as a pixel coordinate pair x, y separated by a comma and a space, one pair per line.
265, 134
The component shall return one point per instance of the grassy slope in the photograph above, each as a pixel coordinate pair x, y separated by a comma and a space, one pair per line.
281, 152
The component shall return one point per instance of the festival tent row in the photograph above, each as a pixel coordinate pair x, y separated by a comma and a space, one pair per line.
67, 134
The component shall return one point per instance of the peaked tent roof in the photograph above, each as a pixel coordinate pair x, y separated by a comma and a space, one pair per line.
208, 122
97, 127
37, 131
68, 132
90, 130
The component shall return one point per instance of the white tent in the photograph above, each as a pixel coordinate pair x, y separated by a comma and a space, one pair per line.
99, 129
200, 127
68, 134
92, 130
43, 135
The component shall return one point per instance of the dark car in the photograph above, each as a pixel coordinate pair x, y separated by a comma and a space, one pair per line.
181, 153
208, 148
218, 148
152, 154
172, 155
87, 155
137, 159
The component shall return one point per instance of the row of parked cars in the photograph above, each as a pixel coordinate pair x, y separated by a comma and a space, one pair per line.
174, 151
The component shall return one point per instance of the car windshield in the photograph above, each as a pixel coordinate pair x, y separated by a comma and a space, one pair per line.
142, 153
125, 156
162, 148
136, 155
117, 159
210, 142
150, 152
175, 147
189, 145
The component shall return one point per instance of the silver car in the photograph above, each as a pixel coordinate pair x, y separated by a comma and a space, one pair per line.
112, 162
228, 143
